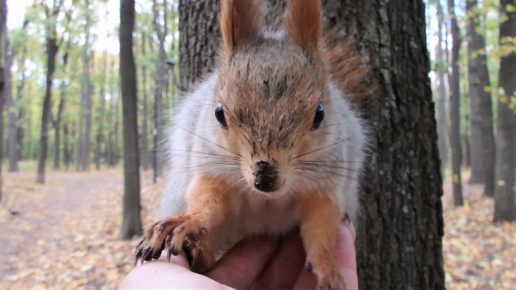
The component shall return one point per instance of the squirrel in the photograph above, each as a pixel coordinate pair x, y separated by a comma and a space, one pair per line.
269, 142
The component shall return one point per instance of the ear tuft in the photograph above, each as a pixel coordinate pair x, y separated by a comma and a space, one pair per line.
303, 22
240, 21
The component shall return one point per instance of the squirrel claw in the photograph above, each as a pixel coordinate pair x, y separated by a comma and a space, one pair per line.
169, 234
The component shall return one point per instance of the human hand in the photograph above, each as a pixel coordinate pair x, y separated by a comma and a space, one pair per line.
258, 263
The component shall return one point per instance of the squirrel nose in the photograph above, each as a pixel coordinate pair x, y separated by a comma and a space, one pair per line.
266, 177
262, 163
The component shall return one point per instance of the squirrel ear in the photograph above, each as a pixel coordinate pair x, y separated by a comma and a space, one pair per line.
240, 22
303, 22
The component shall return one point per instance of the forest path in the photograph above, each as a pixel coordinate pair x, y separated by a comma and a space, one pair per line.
66, 235
72, 217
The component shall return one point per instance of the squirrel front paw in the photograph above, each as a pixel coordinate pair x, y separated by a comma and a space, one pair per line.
169, 234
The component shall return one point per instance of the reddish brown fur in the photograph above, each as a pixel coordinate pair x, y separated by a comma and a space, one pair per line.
345, 65
303, 23
240, 22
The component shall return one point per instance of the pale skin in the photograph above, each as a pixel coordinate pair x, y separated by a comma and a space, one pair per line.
259, 263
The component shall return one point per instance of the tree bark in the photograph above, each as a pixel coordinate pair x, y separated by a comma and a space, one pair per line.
442, 120
131, 224
481, 108
454, 133
86, 107
505, 188
399, 239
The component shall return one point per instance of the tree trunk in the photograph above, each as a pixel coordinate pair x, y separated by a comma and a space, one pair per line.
12, 138
482, 139
146, 157
454, 133
505, 205
161, 71
131, 224
58, 120
21, 113
57, 128
66, 150
110, 130
3, 20
116, 145
101, 115
466, 156
399, 239
442, 120
45, 118
86, 104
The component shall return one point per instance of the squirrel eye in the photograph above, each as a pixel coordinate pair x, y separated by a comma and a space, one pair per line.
319, 117
219, 114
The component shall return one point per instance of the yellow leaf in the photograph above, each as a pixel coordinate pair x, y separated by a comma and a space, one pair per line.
501, 182
487, 89
503, 99
467, 207
501, 91
455, 178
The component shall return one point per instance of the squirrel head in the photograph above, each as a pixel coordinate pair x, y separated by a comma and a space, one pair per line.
271, 90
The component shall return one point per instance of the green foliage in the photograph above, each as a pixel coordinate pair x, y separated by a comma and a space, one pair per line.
70, 30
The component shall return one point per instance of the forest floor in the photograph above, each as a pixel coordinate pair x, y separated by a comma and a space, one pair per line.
65, 235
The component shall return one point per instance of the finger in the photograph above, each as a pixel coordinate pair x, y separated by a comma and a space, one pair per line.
351, 228
240, 267
284, 268
346, 255
346, 260
179, 260
306, 281
161, 274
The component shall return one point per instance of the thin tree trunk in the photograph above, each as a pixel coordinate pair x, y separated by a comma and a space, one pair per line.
116, 146
101, 115
454, 133
51, 48
505, 188
11, 112
478, 80
43, 144
21, 112
3, 29
131, 224
481, 105
442, 120
66, 150
161, 70
110, 130
57, 127
58, 120
87, 89
399, 240
466, 156
146, 157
